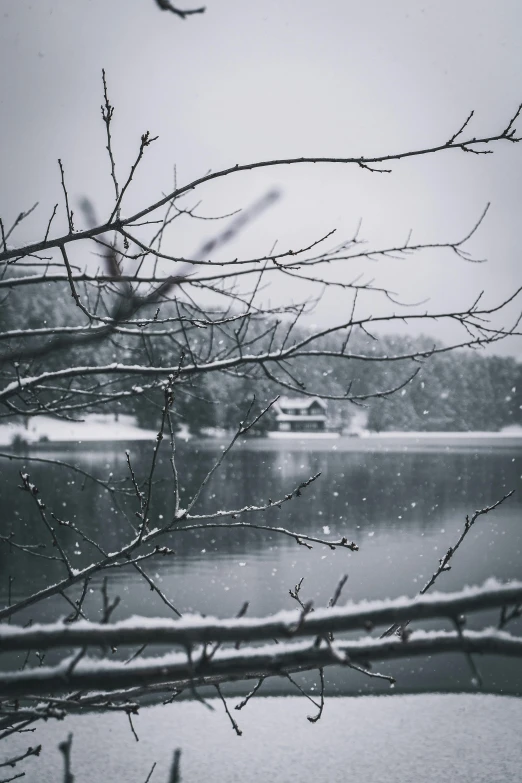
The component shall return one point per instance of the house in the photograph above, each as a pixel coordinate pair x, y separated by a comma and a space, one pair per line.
293, 415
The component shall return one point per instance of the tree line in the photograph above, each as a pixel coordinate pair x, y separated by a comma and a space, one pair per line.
458, 390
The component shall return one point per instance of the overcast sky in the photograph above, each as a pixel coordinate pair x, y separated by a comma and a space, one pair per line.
252, 80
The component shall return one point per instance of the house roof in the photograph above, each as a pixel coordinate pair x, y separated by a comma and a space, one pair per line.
300, 403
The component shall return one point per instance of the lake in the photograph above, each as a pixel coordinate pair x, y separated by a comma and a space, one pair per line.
402, 502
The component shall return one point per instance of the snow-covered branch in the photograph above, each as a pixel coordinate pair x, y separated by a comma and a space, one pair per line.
179, 670
193, 629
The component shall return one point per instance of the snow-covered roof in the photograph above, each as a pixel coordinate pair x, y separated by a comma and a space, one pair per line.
301, 403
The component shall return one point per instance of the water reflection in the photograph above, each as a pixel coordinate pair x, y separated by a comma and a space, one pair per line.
403, 509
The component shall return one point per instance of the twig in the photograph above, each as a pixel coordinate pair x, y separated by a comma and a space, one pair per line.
444, 561
29, 752
250, 695
33, 490
229, 714
175, 770
69, 212
129, 716
166, 5
65, 749
315, 718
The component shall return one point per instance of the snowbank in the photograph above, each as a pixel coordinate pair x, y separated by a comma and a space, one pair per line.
94, 427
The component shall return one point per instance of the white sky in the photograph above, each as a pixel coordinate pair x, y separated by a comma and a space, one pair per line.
250, 81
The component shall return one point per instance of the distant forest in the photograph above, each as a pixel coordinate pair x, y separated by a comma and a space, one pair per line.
455, 391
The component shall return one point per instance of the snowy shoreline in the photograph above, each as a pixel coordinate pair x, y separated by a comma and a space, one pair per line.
42, 430
46, 432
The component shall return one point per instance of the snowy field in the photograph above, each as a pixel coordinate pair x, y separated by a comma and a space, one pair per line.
388, 739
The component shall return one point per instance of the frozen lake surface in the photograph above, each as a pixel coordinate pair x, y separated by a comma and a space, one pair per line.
428, 738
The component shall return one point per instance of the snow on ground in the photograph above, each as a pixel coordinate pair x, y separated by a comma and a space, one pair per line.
513, 431
429, 738
108, 427
94, 427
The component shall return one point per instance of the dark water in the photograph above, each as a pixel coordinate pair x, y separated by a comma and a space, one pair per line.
403, 509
